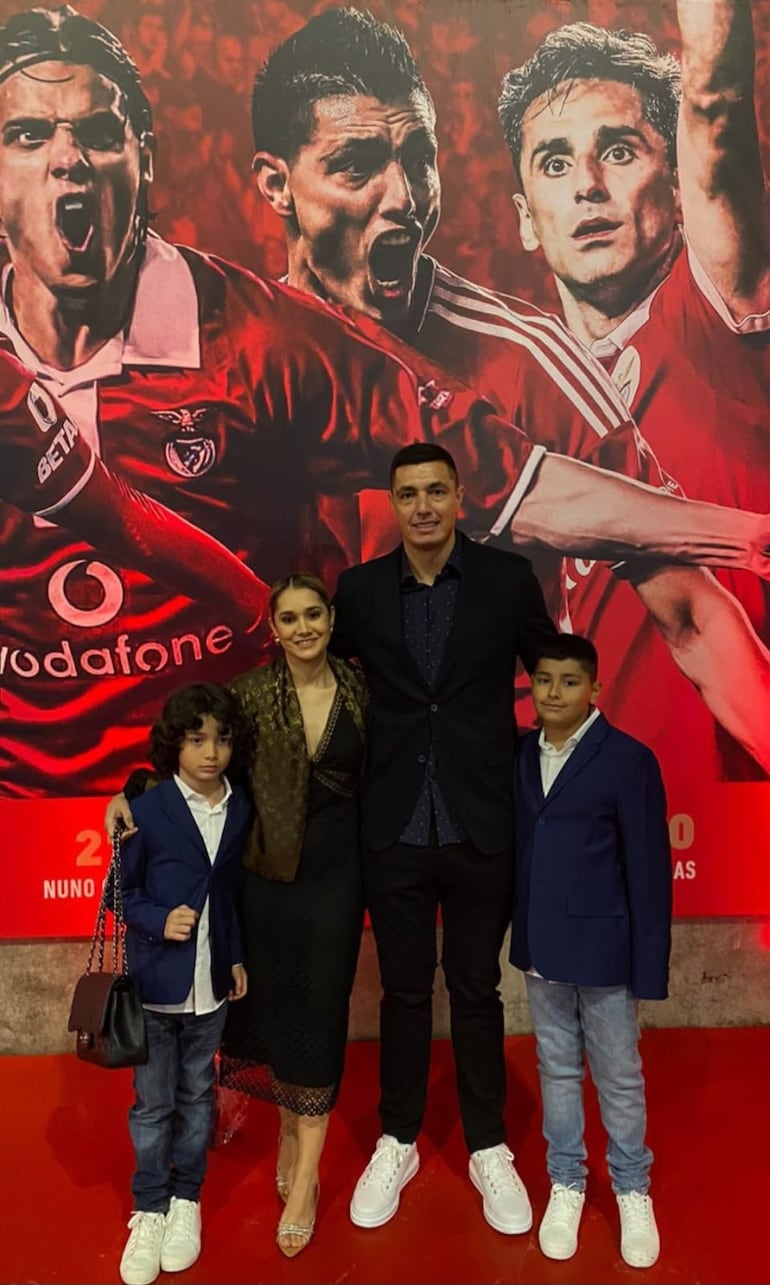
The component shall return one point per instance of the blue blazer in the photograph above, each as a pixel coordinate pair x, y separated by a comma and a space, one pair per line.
592, 901
166, 865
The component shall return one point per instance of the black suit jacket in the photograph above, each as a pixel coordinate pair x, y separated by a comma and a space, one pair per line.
499, 616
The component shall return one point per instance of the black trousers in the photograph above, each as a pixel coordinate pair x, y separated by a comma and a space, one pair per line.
405, 886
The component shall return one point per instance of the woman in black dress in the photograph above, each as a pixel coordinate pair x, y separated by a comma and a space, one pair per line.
301, 899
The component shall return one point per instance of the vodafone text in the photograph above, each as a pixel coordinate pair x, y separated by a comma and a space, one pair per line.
121, 659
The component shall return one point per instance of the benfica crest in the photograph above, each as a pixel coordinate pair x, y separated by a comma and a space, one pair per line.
433, 397
627, 373
189, 452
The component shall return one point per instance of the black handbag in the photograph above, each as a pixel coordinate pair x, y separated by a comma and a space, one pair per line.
106, 1011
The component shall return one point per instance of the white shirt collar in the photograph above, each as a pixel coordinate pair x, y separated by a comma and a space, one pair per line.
164, 328
613, 343
167, 335
199, 800
574, 740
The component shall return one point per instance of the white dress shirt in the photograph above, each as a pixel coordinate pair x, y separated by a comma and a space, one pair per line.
552, 760
211, 823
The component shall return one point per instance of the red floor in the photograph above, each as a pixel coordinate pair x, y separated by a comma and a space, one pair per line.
66, 1164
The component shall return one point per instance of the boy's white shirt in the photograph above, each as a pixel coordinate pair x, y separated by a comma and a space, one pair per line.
552, 760
551, 763
211, 823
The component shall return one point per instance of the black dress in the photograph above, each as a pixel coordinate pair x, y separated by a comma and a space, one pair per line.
285, 1041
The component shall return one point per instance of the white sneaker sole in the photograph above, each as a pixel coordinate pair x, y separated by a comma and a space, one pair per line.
178, 1264
640, 1260
513, 1227
132, 1276
384, 1216
560, 1255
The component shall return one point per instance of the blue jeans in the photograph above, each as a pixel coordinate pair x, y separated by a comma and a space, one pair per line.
170, 1121
599, 1023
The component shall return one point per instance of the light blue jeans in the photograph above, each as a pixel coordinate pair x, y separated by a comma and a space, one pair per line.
597, 1023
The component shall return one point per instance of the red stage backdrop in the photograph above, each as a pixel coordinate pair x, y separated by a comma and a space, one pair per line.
576, 236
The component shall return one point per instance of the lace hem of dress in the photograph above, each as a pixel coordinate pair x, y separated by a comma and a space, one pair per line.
258, 1080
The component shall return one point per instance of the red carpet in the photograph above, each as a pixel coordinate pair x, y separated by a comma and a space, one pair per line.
66, 1164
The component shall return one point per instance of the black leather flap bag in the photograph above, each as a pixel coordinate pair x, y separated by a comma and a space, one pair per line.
106, 1011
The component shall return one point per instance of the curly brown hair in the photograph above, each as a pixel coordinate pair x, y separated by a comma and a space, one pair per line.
184, 711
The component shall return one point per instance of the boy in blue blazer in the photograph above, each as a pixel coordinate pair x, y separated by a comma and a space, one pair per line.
184, 954
592, 932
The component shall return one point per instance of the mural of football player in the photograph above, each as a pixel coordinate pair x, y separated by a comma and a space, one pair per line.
641, 182
49, 471
346, 154
191, 381
246, 408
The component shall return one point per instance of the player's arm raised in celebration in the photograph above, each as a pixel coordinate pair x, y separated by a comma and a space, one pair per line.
711, 639
587, 512
719, 158
364, 394
48, 469
143, 534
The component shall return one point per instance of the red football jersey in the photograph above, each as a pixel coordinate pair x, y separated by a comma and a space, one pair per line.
698, 388
538, 377
253, 412
44, 461
534, 370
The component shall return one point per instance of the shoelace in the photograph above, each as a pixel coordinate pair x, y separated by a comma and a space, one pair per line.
385, 1164
145, 1225
497, 1169
564, 1204
638, 1210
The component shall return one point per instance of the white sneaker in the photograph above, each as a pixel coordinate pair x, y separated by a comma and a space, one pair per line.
506, 1203
639, 1239
378, 1190
558, 1234
140, 1263
182, 1235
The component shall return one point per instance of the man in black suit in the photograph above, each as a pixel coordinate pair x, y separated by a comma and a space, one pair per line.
437, 625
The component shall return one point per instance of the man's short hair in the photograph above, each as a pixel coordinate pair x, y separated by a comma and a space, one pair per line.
570, 647
62, 35
422, 453
339, 52
581, 51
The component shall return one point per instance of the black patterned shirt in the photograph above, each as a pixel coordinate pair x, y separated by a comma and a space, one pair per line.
427, 612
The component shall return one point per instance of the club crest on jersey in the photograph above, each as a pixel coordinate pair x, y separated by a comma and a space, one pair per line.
188, 451
433, 397
626, 374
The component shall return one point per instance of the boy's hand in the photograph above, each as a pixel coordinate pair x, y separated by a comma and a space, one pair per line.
180, 923
118, 810
240, 982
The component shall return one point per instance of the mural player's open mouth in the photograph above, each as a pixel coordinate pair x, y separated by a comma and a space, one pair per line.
75, 221
391, 260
